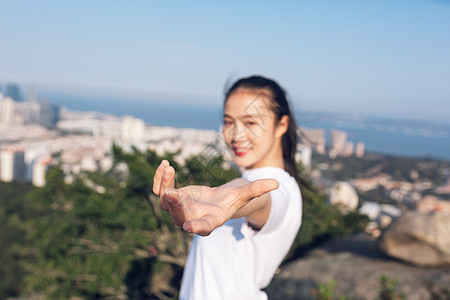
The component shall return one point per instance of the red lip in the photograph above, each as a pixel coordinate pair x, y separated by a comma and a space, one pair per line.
239, 153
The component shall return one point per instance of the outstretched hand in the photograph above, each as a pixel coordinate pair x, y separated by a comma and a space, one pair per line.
201, 209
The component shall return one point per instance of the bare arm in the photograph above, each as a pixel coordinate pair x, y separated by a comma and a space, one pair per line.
256, 211
201, 209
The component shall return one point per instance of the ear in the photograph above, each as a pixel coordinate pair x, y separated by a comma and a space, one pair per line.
282, 126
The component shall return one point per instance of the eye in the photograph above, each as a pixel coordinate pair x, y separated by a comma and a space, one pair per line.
250, 123
227, 123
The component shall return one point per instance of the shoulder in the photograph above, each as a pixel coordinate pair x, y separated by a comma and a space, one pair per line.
264, 173
286, 181
286, 201
288, 192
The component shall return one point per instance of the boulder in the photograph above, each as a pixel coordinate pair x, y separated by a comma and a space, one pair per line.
422, 239
355, 264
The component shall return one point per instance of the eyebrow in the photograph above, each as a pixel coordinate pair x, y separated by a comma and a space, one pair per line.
244, 116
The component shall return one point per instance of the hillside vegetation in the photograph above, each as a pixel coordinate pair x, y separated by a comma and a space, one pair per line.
104, 235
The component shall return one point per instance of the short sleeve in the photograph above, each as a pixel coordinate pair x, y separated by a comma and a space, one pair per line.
278, 207
280, 198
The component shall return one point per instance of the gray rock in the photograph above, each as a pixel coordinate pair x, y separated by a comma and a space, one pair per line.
355, 265
422, 239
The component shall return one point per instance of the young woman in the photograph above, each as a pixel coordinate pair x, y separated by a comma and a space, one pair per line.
244, 228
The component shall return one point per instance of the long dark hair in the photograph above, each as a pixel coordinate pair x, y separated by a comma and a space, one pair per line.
280, 108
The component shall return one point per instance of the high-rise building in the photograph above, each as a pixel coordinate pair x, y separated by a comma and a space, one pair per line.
49, 114
348, 149
40, 167
304, 155
27, 112
338, 139
30, 112
7, 107
313, 137
14, 92
31, 94
359, 151
132, 130
12, 164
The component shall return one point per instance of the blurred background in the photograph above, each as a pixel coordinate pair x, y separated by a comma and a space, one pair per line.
93, 95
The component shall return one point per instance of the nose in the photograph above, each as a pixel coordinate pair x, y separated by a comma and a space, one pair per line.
237, 131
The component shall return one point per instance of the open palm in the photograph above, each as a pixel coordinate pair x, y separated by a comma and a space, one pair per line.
201, 209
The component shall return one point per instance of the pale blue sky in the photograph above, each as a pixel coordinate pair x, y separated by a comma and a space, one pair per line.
385, 58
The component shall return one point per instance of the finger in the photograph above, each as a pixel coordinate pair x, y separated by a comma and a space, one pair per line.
206, 219
158, 176
167, 181
257, 188
176, 207
203, 226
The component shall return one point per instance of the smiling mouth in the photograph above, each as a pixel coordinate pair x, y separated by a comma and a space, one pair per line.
240, 153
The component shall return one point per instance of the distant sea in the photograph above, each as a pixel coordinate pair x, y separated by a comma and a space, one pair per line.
387, 136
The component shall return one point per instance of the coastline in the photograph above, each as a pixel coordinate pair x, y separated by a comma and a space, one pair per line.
399, 137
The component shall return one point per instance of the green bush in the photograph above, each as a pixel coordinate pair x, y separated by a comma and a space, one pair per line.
70, 240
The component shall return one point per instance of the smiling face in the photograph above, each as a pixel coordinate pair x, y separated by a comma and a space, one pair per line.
251, 129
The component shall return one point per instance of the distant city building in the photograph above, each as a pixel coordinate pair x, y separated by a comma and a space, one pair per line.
338, 139
304, 155
40, 168
31, 93
348, 149
29, 112
48, 114
12, 165
14, 92
132, 130
6, 110
337, 146
32, 154
313, 137
359, 151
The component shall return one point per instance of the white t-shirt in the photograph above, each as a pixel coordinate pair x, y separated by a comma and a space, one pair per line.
235, 261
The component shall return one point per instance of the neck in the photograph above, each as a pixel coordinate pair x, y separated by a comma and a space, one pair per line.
273, 159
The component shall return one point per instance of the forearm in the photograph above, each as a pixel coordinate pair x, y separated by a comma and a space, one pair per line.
257, 210
201, 209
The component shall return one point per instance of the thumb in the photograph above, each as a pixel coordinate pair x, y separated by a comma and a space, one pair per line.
257, 188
